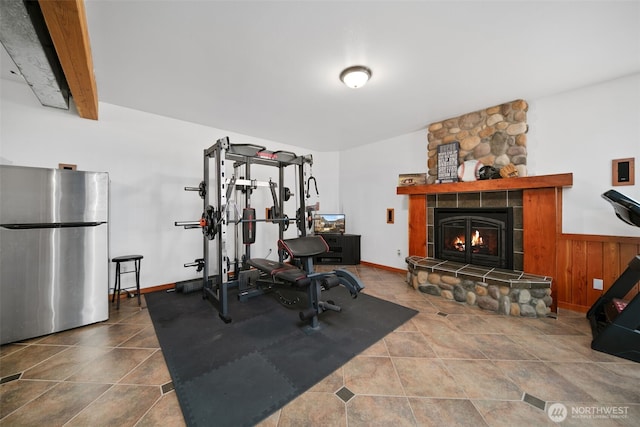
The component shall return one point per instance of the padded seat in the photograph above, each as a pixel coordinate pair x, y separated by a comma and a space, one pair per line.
300, 247
294, 275
282, 271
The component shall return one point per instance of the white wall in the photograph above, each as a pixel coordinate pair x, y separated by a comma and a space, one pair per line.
582, 131
579, 132
150, 159
368, 181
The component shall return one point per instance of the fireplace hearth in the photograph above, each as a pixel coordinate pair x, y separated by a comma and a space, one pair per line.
537, 215
478, 236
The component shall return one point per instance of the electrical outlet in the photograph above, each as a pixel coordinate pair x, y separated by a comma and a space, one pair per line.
399, 252
597, 284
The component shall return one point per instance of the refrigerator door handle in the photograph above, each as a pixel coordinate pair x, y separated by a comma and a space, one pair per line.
52, 225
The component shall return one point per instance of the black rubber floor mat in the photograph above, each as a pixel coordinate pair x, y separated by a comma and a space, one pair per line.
263, 391
239, 373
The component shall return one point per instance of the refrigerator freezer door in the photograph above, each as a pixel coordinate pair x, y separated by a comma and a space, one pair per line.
52, 280
52, 196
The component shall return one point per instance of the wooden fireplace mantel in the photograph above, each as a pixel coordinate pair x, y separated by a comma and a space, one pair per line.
541, 215
523, 183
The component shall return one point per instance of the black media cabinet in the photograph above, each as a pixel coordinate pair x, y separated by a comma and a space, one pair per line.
343, 249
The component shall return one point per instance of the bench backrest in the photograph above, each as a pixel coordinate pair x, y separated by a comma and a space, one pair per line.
307, 246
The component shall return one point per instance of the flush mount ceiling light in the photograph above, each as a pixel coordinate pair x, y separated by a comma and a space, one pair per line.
356, 76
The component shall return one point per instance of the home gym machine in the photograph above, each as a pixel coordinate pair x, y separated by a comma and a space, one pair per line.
258, 276
615, 322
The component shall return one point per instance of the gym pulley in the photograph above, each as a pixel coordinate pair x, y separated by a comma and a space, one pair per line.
287, 194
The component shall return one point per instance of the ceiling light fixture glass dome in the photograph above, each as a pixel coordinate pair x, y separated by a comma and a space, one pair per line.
356, 76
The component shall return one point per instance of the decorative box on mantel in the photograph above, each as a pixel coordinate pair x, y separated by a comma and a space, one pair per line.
541, 216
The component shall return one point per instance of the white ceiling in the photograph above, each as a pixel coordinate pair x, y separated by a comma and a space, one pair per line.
270, 68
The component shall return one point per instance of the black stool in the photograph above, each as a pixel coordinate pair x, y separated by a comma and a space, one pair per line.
136, 262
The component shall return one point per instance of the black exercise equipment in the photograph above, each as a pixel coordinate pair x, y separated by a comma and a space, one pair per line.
248, 226
201, 189
315, 184
188, 286
303, 278
287, 194
258, 276
628, 210
615, 322
198, 263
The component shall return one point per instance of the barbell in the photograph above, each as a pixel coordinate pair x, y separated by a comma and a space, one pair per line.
208, 222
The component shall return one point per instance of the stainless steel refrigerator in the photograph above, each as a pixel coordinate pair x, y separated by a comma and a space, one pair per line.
54, 261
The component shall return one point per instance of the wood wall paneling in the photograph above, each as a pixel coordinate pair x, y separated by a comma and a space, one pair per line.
582, 258
595, 270
610, 263
563, 271
579, 272
539, 230
418, 225
541, 222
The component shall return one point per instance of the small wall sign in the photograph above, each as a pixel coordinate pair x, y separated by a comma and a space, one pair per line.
448, 162
623, 172
390, 216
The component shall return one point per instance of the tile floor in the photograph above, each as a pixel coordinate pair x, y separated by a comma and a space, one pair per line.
451, 365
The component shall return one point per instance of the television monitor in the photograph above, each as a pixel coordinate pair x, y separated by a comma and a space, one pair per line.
329, 223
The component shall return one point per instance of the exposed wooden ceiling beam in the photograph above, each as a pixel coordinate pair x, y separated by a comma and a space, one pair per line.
67, 24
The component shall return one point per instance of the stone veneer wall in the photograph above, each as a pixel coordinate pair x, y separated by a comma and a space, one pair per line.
506, 300
493, 199
495, 136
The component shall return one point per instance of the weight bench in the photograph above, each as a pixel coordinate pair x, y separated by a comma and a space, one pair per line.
303, 278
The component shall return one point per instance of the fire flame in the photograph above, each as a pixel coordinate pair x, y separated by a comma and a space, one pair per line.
476, 240
459, 244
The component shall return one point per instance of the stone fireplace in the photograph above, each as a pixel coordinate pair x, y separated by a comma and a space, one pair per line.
486, 273
527, 288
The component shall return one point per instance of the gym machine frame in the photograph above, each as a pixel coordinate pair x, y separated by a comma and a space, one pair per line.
214, 218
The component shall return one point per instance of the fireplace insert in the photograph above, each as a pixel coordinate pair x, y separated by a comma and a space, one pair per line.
480, 236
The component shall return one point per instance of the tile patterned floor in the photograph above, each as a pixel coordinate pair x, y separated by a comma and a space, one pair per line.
451, 365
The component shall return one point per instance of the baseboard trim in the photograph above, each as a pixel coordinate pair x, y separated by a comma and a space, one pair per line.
573, 307
143, 291
383, 267
173, 285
